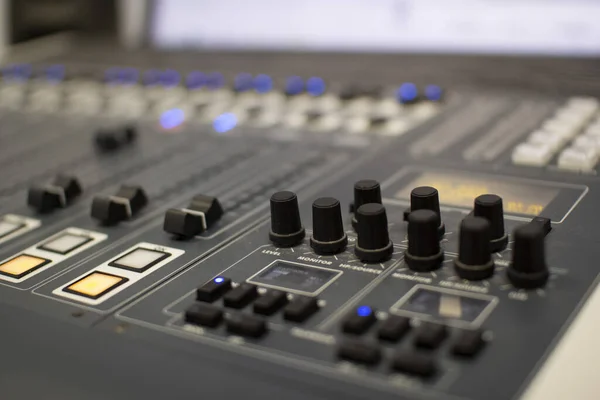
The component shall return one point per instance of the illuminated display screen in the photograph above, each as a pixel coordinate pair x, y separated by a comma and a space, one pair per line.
460, 190
441, 305
295, 277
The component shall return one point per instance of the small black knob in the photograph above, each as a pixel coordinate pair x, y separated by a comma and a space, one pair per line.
427, 198
489, 206
328, 228
474, 260
286, 226
365, 191
373, 243
424, 252
111, 139
528, 269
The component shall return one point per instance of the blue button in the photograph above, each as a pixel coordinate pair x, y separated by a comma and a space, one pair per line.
294, 85
129, 76
407, 92
225, 122
19, 72
219, 279
263, 83
55, 73
315, 86
169, 78
434, 92
215, 80
242, 82
364, 311
152, 77
195, 80
171, 119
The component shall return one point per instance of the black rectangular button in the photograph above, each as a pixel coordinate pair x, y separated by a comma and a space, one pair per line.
240, 296
544, 223
359, 320
360, 351
430, 335
270, 302
300, 308
468, 343
393, 328
204, 314
414, 363
246, 325
213, 289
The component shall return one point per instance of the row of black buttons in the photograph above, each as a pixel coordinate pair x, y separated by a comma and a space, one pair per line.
299, 309
212, 316
428, 335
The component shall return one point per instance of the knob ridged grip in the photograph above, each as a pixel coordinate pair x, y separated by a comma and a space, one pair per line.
474, 260
489, 206
328, 227
365, 191
427, 198
373, 243
528, 269
424, 252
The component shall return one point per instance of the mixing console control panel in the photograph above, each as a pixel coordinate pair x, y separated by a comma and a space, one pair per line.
398, 240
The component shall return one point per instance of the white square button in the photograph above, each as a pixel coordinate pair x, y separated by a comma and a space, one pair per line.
65, 243
8, 227
139, 260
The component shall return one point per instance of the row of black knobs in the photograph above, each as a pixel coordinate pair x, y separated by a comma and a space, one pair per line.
481, 233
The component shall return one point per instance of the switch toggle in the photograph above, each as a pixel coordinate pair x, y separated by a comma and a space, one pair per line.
202, 213
59, 194
123, 206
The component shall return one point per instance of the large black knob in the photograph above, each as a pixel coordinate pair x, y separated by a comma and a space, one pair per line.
286, 226
427, 198
474, 260
528, 269
373, 243
328, 228
365, 191
489, 206
424, 252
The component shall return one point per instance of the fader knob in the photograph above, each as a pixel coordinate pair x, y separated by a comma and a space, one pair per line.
424, 252
474, 260
373, 243
427, 198
328, 228
489, 206
528, 269
365, 191
286, 226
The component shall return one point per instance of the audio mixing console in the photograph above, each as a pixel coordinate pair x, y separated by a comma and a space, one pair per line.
184, 234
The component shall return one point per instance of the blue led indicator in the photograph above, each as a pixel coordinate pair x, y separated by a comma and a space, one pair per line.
171, 119
169, 78
225, 122
407, 92
152, 77
315, 86
55, 73
195, 80
433, 92
364, 311
263, 83
242, 82
219, 279
215, 80
294, 85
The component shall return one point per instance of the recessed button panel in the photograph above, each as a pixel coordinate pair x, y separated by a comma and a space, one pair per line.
95, 284
65, 243
22, 265
8, 227
139, 260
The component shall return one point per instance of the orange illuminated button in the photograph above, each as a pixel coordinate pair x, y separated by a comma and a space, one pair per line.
22, 265
95, 284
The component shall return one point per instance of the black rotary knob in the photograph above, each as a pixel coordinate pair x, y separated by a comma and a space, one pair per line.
474, 260
427, 198
365, 191
328, 228
286, 226
373, 243
424, 252
489, 206
528, 269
